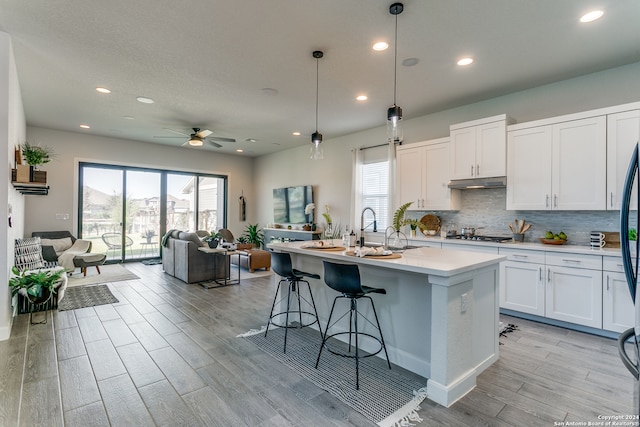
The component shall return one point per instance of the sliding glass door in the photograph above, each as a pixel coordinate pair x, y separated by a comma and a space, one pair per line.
126, 211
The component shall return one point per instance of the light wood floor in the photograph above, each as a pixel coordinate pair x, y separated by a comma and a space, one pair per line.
166, 355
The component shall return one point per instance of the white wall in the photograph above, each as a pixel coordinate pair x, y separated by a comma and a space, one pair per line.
331, 177
70, 148
12, 132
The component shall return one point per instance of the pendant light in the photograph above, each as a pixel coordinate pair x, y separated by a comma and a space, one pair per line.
316, 137
394, 113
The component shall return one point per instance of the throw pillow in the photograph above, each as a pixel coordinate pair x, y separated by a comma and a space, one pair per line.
59, 245
28, 254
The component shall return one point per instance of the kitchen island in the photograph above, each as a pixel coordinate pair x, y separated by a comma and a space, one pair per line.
439, 316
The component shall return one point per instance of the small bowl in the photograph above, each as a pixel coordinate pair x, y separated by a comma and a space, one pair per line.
431, 232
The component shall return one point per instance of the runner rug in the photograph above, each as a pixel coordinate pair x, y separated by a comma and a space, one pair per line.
386, 396
86, 296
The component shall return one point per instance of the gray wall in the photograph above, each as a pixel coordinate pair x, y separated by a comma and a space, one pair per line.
332, 176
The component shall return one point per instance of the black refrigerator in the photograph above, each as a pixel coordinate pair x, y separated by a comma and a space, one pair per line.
628, 342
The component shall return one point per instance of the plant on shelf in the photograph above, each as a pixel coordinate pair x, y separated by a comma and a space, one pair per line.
254, 235
36, 154
38, 285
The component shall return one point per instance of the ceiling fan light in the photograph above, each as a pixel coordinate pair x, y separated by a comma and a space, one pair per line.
196, 141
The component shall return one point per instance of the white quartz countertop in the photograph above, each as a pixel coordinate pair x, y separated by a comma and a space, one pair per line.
440, 262
535, 246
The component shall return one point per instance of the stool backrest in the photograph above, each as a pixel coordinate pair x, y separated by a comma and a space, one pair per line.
344, 278
281, 264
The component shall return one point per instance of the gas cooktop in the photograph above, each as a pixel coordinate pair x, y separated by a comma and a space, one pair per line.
478, 238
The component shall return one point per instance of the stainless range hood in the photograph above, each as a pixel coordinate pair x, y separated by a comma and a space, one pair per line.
468, 184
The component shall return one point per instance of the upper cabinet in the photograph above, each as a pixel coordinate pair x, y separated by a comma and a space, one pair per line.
557, 166
423, 174
623, 132
478, 148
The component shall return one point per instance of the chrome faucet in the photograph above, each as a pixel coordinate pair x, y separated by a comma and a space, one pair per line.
362, 226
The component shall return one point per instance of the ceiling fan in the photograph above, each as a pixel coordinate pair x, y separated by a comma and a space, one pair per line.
198, 138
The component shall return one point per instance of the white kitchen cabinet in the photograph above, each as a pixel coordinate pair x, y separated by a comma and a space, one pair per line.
623, 132
522, 281
478, 148
423, 174
559, 166
617, 307
574, 288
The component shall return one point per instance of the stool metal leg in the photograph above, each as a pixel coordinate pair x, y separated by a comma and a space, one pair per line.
354, 307
273, 305
373, 306
286, 322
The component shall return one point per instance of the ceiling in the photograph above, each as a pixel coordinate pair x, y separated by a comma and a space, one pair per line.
244, 69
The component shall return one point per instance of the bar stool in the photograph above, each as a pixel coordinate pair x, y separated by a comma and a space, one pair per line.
281, 265
345, 278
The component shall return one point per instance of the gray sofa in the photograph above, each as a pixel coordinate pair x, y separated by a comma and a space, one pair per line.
182, 259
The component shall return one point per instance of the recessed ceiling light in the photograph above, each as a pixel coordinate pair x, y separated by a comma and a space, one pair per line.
409, 62
85, 126
269, 91
362, 97
239, 150
145, 100
296, 133
379, 46
465, 61
102, 90
128, 117
251, 140
591, 16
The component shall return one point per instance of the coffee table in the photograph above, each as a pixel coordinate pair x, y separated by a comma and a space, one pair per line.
226, 281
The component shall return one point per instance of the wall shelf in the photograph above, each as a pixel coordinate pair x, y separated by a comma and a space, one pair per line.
36, 189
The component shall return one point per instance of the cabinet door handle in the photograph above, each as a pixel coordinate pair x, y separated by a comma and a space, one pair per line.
471, 170
520, 256
575, 261
555, 200
607, 283
546, 201
612, 199
540, 274
477, 170
549, 275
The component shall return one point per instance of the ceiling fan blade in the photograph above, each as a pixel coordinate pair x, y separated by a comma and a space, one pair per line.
204, 133
215, 144
176, 131
218, 138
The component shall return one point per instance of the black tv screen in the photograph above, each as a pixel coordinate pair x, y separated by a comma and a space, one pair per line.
289, 204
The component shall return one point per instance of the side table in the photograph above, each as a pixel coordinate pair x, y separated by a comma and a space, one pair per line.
226, 281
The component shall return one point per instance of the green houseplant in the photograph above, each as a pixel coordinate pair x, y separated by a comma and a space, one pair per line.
400, 221
213, 239
39, 286
36, 154
253, 234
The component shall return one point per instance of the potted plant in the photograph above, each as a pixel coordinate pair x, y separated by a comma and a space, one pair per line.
35, 154
213, 239
37, 286
149, 234
399, 221
254, 235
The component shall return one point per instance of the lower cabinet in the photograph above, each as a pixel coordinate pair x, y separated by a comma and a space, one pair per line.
522, 281
617, 307
560, 286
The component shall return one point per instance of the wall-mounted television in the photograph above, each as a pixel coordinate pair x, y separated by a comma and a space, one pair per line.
289, 204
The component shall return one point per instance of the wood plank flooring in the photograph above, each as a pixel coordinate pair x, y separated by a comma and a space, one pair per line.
166, 355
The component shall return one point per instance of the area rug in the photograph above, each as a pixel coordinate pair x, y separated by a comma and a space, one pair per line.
86, 296
386, 396
108, 273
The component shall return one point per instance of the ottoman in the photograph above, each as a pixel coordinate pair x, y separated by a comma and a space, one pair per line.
253, 259
89, 260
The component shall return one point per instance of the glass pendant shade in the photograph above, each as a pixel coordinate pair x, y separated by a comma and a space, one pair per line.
316, 146
394, 124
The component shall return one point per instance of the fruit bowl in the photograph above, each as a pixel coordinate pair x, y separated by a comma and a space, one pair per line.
552, 241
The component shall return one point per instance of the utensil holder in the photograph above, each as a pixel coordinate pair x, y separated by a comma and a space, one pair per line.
518, 237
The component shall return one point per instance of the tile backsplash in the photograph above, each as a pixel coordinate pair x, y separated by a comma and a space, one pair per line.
485, 210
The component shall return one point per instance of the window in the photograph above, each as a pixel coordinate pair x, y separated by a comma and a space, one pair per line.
375, 185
